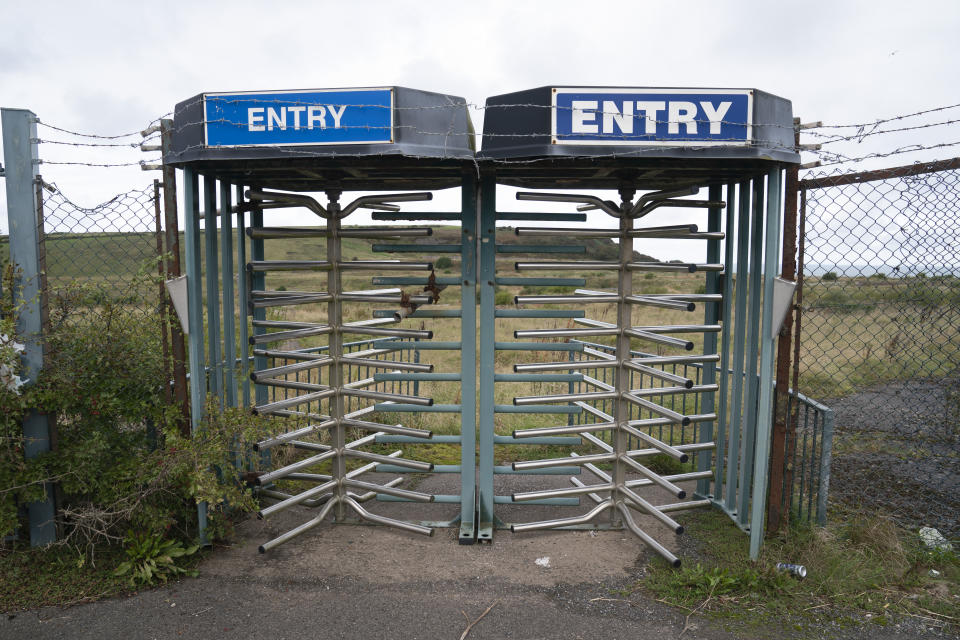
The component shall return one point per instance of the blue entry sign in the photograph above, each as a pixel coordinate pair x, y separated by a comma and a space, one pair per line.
638, 117
289, 118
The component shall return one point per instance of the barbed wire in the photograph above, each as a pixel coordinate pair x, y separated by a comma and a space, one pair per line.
103, 137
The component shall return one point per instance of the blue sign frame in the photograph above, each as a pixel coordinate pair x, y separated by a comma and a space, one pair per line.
296, 118
646, 117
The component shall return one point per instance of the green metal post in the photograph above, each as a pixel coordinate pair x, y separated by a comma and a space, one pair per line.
727, 288
711, 316
739, 340
229, 301
768, 347
487, 275
242, 287
198, 378
748, 441
215, 353
22, 161
468, 360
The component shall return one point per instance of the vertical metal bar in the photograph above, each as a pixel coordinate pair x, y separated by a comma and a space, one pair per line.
621, 409
776, 517
335, 320
257, 281
229, 314
213, 286
748, 437
487, 235
798, 308
734, 453
22, 161
468, 359
242, 287
198, 378
162, 309
727, 288
711, 316
177, 342
768, 345
826, 455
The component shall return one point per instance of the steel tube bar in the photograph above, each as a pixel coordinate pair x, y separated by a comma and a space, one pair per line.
695, 446
256, 376
288, 355
374, 265
390, 397
418, 496
387, 428
657, 391
660, 374
680, 328
553, 431
637, 501
276, 474
678, 267
676, 359
278, 336
563, 522
564, 333
293, 402
564, 366
268, 233
659, 339
658, 409
399, 524
292, 384
643, 535
556, 493
555, 462
590, 265
683, 228
382, 459
292, 435
393, 333
566, 232
564, 397
296, 531
654, 477
260, 266
565, 300
386, 364
295, 499
660, 302
677, 477
663, 447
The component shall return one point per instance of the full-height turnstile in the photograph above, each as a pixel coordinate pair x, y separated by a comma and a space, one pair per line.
608, 388
637, 387
328, 347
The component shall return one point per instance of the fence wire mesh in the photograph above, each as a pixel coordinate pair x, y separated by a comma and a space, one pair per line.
101, 260
880, 339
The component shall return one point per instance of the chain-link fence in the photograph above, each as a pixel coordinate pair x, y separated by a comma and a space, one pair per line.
102, 260
880, 339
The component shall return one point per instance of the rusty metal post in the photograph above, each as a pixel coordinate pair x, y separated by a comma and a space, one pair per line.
778, 498
177, 344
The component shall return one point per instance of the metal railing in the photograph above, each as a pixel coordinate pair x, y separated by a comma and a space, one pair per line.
806, 475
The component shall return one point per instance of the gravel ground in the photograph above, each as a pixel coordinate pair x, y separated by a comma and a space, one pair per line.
373, 582
897, 451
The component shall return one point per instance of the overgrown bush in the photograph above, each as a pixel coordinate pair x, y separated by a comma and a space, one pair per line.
120, 461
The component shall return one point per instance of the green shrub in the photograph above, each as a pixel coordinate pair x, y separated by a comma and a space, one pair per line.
829, 276
443, 262
503, 298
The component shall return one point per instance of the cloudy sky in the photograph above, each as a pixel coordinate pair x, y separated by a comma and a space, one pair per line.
113, 67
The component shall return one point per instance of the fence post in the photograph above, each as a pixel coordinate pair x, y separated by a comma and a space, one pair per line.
781, 479
177, 343
22, 175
